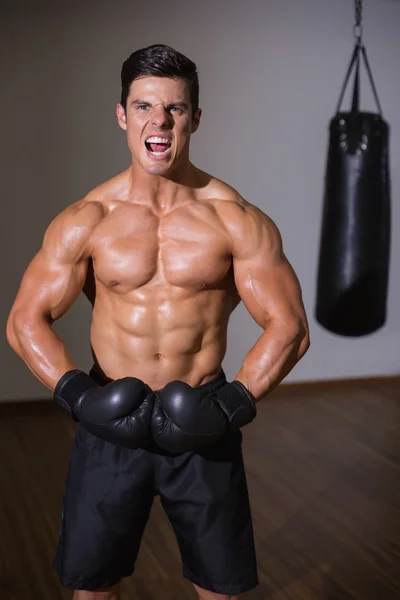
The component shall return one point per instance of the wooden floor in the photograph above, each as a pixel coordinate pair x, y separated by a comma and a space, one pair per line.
323, 469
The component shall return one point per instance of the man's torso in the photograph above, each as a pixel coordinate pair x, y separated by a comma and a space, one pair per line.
163, 285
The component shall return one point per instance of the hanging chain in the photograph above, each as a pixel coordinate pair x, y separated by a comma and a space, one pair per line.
358, 28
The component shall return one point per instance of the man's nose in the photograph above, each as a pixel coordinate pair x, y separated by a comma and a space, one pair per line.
160, 116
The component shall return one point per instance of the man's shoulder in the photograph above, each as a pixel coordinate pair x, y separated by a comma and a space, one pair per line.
85, 212
229, 203
70, 230
244, 221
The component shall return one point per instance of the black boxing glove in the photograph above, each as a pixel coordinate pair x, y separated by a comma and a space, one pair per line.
119, 412
238, 403
188, 419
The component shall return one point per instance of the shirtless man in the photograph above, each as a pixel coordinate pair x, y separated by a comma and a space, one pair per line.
164, 252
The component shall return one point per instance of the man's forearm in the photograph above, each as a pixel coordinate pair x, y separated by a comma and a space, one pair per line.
41, 349
272, 358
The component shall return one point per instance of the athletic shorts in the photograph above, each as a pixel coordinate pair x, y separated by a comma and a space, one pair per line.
108, 496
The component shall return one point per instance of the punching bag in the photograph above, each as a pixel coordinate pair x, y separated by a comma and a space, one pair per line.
353, 269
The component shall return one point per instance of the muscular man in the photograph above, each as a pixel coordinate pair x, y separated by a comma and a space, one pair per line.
164, 252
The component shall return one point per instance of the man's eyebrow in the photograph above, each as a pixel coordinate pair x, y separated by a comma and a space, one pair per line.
140, 102
181, 104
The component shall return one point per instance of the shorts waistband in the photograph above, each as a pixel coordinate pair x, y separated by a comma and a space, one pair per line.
209, 387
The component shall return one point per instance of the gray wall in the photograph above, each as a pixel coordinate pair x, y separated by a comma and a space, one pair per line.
270, 74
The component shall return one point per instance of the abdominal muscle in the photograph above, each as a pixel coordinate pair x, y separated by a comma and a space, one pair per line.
184, 338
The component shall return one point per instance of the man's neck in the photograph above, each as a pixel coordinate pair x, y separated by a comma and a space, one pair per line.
163, 193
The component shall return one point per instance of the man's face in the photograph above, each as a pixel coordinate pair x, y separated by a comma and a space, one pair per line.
158, 121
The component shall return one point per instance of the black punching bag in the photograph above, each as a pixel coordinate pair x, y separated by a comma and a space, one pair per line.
353, 270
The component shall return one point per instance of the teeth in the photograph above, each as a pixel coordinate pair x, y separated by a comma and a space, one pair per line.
157, 140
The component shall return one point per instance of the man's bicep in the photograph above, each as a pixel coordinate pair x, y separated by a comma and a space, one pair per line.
265, 280
270, 292
56, 275
48, 288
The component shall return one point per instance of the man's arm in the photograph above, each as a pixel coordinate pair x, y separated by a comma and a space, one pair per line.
271, 293
49, 287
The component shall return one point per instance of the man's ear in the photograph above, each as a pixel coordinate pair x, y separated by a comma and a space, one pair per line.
121, 116
196, 120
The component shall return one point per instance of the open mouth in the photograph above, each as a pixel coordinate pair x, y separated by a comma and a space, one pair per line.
158, 146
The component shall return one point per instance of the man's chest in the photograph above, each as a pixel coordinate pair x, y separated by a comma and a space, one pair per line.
185, 248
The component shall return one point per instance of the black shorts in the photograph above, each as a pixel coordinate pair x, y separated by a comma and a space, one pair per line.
108, 497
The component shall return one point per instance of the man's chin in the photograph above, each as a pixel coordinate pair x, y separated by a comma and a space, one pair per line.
165, 167
157, 169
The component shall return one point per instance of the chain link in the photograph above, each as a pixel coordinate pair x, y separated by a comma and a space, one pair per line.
359, 12
358, 29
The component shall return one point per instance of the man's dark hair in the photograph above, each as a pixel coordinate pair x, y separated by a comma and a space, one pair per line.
159, 60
